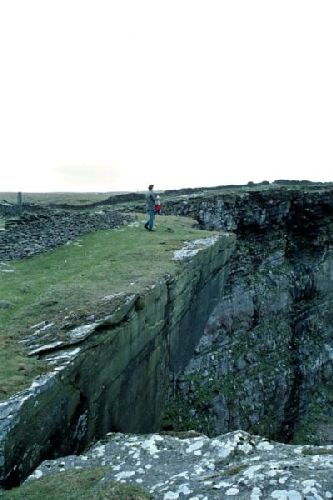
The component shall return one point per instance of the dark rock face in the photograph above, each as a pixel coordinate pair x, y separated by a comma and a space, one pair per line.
235, 465
265, 361
34, 233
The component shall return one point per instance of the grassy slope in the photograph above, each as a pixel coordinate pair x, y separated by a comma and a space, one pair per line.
74, 485
76, 277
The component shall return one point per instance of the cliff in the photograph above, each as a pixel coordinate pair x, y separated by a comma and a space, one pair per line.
251, 349
265, 361
112, 373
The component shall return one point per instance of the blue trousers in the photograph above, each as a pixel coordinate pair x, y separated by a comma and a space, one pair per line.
151, 219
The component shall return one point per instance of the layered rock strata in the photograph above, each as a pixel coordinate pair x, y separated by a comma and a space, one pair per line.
112, 373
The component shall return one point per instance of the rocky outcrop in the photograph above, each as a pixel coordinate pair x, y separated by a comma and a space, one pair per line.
236, 465
112, 372
265, 361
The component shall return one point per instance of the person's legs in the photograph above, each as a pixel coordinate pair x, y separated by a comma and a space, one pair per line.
147, 225
151, 220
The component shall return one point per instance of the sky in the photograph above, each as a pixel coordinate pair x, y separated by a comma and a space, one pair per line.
114, 95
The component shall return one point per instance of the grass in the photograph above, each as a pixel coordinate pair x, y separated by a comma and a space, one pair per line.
233, 470
317, 451
316, 426
72, 280
182, 434
76, 484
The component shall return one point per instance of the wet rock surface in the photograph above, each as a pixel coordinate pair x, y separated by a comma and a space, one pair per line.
236, 465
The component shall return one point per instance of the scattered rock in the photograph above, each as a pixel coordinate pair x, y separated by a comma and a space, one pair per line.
236, 465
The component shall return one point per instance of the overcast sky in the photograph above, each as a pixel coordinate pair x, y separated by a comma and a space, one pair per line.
115, 95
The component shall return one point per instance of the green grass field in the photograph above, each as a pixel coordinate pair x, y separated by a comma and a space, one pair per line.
76, 277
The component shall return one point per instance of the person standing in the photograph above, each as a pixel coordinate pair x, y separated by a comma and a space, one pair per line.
150, 203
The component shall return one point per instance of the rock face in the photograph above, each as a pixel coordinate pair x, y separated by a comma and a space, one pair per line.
112, 373
236, 465
265, 361
262, 363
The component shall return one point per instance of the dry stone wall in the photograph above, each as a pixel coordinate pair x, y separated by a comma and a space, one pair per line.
34, 233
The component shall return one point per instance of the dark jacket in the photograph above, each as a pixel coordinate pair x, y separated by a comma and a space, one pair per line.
150, 200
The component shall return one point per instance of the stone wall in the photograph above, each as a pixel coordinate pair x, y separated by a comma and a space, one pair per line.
8, 209
34, 233
112, 374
